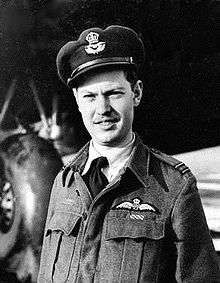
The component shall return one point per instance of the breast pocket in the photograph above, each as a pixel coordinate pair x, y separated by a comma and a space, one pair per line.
131, 242
123, 224
61, 233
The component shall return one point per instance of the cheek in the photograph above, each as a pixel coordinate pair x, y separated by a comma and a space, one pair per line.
124, 105
128, 116
80, 105
87, 115
126, 109
84, 109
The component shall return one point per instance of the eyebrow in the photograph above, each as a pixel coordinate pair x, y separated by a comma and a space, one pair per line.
105, 92
115, 90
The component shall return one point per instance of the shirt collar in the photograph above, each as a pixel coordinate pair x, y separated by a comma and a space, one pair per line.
138, 163
115, 155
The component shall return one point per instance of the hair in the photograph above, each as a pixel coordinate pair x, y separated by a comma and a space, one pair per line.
131, 76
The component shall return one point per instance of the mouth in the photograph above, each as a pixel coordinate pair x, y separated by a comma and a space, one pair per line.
106, 122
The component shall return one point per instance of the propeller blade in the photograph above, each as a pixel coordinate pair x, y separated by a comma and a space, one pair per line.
9, 95
39, 104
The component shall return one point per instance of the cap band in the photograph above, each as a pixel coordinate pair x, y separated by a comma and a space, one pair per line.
101, 62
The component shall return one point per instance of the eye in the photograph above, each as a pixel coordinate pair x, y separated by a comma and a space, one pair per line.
115, 94
89, 96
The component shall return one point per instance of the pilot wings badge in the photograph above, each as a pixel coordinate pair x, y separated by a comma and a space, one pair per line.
94, 46
136, 205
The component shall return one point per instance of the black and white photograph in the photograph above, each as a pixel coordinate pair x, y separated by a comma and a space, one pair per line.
109, 141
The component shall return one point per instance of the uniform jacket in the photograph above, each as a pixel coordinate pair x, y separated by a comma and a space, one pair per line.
147, 225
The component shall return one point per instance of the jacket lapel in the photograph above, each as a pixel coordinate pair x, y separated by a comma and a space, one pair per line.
139, 162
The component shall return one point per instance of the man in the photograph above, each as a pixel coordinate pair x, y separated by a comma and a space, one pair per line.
120, 211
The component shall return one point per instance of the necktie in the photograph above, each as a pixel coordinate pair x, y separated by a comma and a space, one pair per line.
94, 178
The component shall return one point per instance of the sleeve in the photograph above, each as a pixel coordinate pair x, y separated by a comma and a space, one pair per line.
196, 257
46, 240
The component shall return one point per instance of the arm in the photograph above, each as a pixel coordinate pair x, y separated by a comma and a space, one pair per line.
46, 240
196, 258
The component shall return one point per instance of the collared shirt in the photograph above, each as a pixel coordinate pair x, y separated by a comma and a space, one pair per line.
117, 157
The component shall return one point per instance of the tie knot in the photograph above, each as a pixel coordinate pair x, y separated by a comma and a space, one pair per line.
100, 162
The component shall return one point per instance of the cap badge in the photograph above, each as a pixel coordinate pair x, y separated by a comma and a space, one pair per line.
94, 46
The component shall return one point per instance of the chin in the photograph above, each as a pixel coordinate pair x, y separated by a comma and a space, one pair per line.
111, 140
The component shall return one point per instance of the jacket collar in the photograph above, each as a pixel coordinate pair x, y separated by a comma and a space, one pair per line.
78, 163
138, 163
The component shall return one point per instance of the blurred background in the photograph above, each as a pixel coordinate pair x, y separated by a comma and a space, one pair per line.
179, 114
181, 106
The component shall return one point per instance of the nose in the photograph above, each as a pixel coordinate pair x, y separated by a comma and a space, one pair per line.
102, 105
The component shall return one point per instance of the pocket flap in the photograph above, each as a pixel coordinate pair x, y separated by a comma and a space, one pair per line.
65, 222
125, 227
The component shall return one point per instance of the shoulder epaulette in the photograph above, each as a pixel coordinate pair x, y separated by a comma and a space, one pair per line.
180, 166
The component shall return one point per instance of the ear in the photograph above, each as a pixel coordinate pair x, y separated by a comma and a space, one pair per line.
138, 91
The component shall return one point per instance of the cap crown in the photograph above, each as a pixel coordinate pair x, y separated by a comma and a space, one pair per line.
95, 48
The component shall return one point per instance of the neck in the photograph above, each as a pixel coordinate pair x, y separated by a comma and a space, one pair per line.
105, 148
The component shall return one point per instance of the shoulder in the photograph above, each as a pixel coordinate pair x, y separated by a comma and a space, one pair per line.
164, 161
78, 159
175, 176
171, 162
74, 165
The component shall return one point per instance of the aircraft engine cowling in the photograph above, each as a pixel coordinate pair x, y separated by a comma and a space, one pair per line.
28, 166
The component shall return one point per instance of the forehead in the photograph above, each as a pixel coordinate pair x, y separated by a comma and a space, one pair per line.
106, 80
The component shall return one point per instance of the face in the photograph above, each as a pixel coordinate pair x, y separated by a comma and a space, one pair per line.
106, 102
